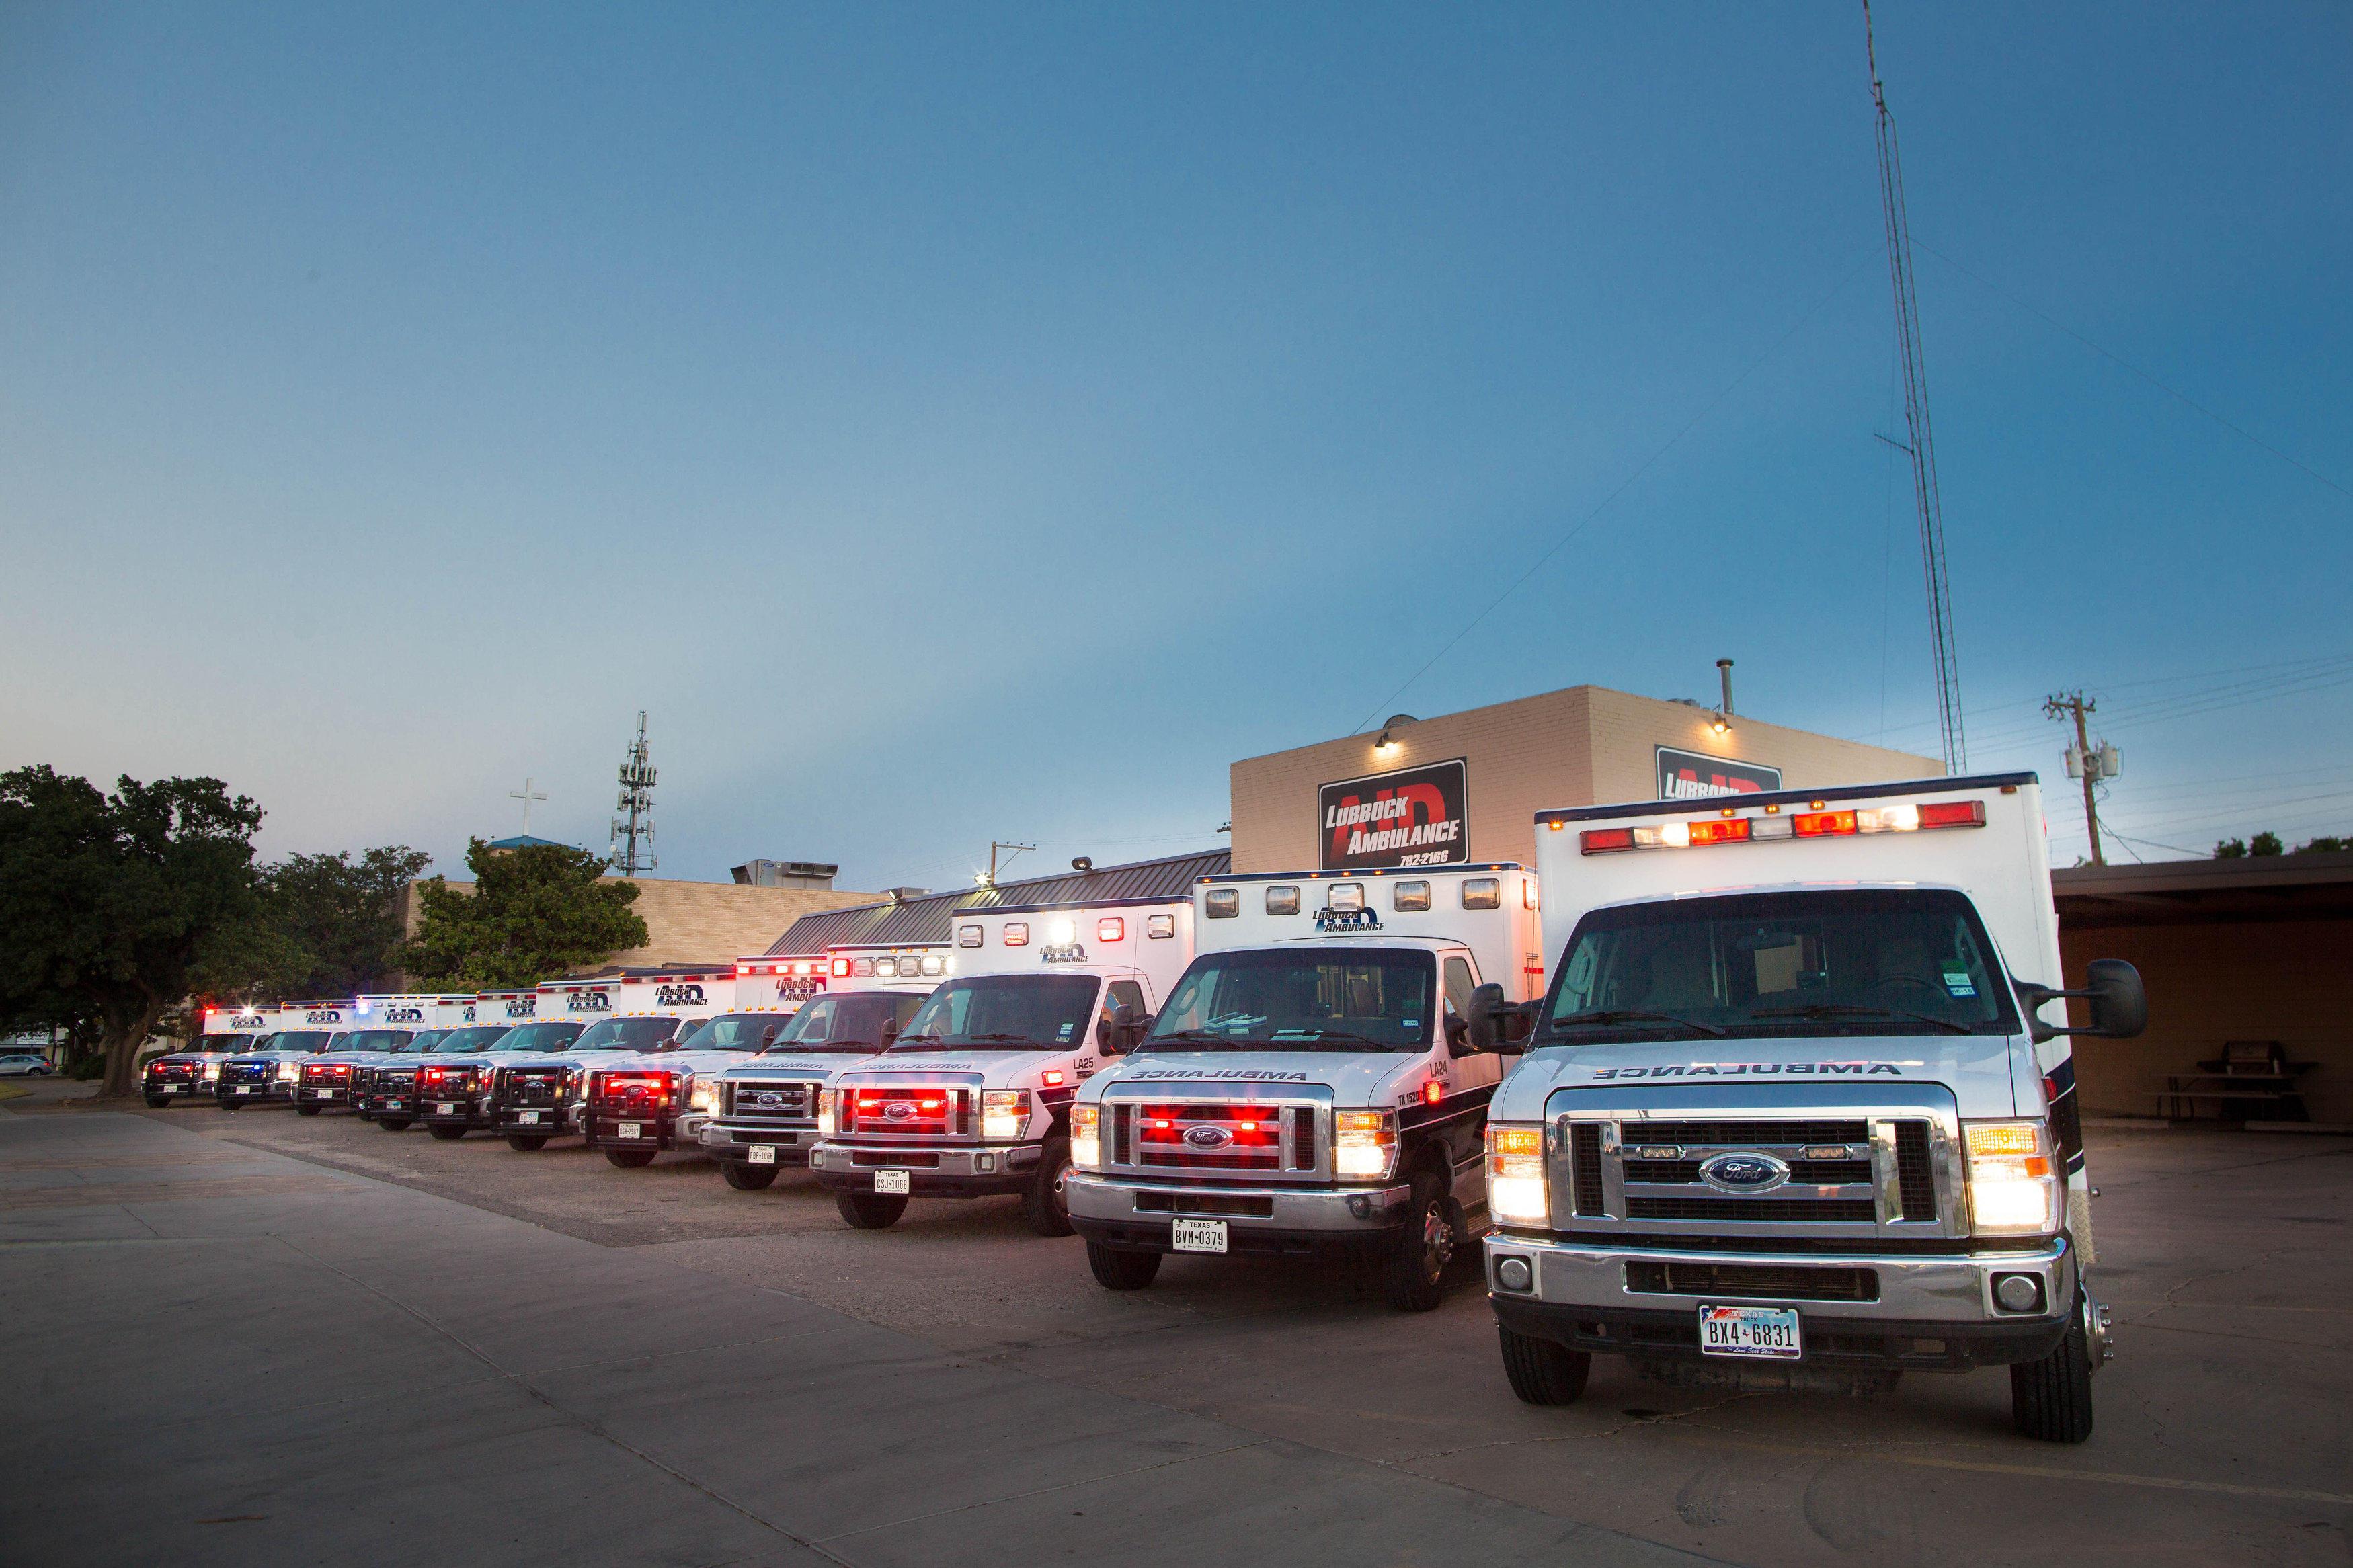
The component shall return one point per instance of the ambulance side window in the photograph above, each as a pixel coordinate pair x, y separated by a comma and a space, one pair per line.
1121, 994
1460, 984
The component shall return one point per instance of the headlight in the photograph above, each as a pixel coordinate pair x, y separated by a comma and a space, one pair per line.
1086, 1137
1003, 1112
1363, 1143
289, 1069
826, 1100
703, 1096
2014, 1188
1516, 1175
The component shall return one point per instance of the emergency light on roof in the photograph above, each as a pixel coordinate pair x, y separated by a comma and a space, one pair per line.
1689, 833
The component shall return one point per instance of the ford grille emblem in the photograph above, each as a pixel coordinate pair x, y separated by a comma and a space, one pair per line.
1743, 1173
1207, 1136
767, 1100
897, 1110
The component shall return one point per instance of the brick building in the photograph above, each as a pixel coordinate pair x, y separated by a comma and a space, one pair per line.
1587, 745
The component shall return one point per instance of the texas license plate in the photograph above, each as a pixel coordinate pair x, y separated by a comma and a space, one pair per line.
1770, 1333
1198, 1236
530, 1118
761, 1154
891, 1182
447, 1109
392, 1105
631, 1129
245, 1088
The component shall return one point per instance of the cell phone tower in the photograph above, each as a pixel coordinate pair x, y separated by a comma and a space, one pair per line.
636, 828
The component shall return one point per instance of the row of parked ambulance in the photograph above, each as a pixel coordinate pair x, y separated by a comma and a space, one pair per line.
1762, 1083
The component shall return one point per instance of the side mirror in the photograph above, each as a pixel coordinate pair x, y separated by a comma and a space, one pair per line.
1121, 1031
2119, 1005
1495, 1024
890, 1032
768, 1036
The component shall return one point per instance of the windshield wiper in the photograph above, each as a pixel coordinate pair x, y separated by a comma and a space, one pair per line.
1639, 1015
1850, 1010
1291, 1039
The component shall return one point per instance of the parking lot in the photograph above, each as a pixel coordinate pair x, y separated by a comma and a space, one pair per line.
273, 1338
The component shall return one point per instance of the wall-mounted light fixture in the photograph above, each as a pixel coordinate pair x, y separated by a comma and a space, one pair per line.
1387, 744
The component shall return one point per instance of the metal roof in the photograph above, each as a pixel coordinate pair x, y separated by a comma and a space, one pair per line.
930, 919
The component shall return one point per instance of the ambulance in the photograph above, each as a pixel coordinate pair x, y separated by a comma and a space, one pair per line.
684, 1024
972, 1098
383, 1026
273, 1067
763, 1111
1312, 1089
452, 1092
222, 1032
1798, 1108
429, 1019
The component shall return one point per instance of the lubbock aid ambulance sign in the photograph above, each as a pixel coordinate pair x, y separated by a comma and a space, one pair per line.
1689, 775
1414, 816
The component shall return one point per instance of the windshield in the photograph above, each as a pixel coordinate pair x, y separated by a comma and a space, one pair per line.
1014, 1012
373, 1040
731, 1032
617, 1034
847, 1023
1762, 965
423, 1039
478, 1039
1322, 998
543, 1036
301, 1040
230, 1043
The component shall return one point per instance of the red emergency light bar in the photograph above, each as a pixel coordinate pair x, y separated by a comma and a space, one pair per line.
1686, 833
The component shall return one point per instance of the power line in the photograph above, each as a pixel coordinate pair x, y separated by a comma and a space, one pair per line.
2118, 359
1389, 702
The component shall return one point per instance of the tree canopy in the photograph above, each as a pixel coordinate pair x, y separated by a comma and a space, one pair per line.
534, 911
108, 902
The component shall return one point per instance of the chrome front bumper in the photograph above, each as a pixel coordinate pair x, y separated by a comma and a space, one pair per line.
963, 1161
1918, 1288
722, 1135
1342, 1211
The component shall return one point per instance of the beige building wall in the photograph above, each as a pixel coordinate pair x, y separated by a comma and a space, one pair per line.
700, 922
1586, 745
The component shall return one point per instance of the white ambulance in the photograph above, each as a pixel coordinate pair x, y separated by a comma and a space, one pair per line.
273, 1067
973, 1097
780, 982
1791, 1113
634, 1109
763, 1111
1312, 1089
454, 1092
222, 1032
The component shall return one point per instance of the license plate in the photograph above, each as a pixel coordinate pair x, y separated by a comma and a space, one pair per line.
530, 1117
761, 1154
891, 1182
446, 1109
1198, 1236
245, 1088
1770, 1333
392, 1105
174, 1088
632, 1129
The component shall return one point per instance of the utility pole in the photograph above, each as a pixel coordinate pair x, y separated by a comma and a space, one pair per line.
988, 879
637, 800
2093, 766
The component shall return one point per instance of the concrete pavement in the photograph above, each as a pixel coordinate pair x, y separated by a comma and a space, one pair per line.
246, 1359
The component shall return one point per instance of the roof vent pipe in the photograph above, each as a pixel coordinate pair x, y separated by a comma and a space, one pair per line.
1724, 668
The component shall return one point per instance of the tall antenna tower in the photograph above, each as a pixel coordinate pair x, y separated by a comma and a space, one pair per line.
1923, 448
637, 800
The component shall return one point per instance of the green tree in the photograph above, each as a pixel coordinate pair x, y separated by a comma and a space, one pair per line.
2264, 843
534, 912
107, 902
2231, 849
2327, 843
340, 917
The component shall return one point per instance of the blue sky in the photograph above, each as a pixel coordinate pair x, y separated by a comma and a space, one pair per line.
958, 422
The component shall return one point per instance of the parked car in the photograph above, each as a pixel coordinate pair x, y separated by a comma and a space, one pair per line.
23, 1064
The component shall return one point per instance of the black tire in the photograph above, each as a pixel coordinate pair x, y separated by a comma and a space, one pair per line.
746, 1177
870, 1211
158, 1102
393, 1123
1411, 1277
1046, 1204
1541, 1371
631, 1159
1116, 1271
307, 1109
526, 1142
447, 1133
2050, 1399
